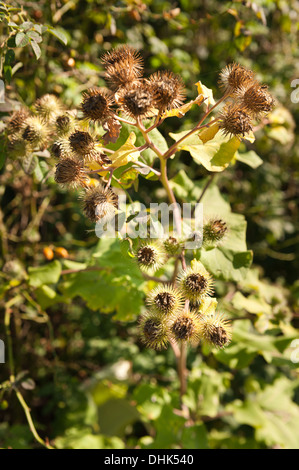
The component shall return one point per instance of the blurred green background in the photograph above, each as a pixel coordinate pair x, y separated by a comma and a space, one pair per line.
79, 363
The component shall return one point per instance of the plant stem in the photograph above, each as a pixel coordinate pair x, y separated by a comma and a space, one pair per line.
24, 405
182, 369
180, 353
206, 186
125, 120
171, 196
30, 421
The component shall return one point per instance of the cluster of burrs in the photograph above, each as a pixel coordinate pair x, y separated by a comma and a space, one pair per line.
184, 312
248, 100
73, 139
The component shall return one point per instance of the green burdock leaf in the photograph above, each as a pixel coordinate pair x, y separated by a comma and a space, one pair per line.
116, 287
272, 413
230, 260
47, 274
250, 158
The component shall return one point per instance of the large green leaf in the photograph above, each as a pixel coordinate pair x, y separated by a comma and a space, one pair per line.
214, 154
230, 260
47, 274
204, 390
250, 158
272, 413
116, 287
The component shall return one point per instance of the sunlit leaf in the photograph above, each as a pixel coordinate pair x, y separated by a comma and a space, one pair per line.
214, 153
182, 110
206, 93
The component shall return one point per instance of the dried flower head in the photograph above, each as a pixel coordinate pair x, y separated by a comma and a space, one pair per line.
153, 331
234, 76
18, 120
122, 55
64, 124
70, 172
99, 203
256, 99
36, 131
96, 104
185, 327
61, 148
165, 300
48, 107
214, 230
150, 256
168, 90
123, 65
84, 145
195, 282
136, 100
215, 329
235, 121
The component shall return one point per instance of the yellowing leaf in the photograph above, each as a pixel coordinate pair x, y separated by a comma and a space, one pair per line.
215, 154
126, 153
208, 133
206, 93
182, 110
249, 136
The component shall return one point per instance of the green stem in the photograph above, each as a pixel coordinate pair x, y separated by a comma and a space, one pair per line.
30, 421
180, 353
24, 405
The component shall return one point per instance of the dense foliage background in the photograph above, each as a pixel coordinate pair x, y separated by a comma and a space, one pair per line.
78, 361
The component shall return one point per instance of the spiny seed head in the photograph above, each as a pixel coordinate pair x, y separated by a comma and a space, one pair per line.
234, 76
18, 120
121, 55
172, 246
185, 327
150, 256
61, 148
83, 145
123, 65
153, 331
48, 107
215, 329
165, 300
96, 104
195, 283
214, 230
64, 124
36, 131
70, 172
99, 203
168, 90
136, 100
235, 121
256, 99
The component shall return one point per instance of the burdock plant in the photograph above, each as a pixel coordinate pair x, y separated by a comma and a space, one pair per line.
180, 308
